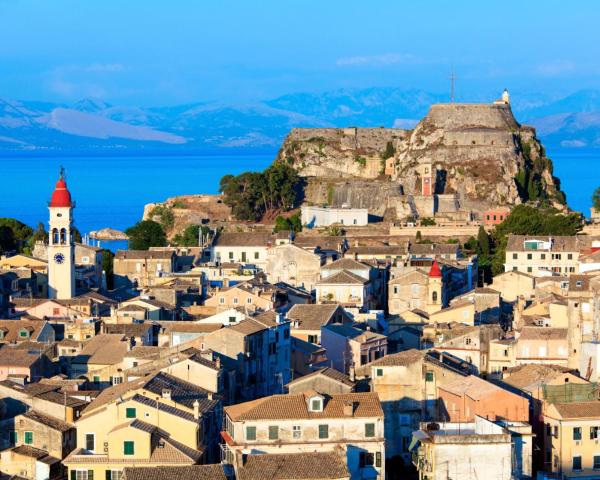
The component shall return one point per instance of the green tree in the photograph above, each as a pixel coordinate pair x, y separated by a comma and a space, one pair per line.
8, 241
483, 242
389, 151
293, 223
20, 232
107, 267
146, 234
190, 237
596, 199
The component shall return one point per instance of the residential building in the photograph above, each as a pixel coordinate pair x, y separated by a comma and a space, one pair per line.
465, 398
543, 345
309, 422
242, 247
473, 450
256, 294
349, 347
306, 320
513, 284
414, 288
495, 216
294, 265
546, 256
28, 361
101, 360
326, 380
142, 268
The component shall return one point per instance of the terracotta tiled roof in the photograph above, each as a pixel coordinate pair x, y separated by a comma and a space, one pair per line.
311, 317
343, 278
294, 466
38, 454
471, 386
401, 359
530, 374
579, 409
432, 249
192, 472
51, 422
346, 264
247, 327
516, 243
291, 407
243, 239
106, 349
353, 333
328, 372
543, 333
11, 329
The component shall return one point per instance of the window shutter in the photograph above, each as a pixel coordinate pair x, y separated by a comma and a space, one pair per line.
73, 475
90, 475
108, 475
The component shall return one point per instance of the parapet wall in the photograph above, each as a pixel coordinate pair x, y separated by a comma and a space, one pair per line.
451, 116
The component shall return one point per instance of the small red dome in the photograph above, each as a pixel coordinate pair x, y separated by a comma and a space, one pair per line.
61, 196
435, 271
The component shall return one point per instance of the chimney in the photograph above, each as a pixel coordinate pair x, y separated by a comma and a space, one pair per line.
226, 282
218, 362
196, 409
348, 409
166, 393
352, 374
209, 395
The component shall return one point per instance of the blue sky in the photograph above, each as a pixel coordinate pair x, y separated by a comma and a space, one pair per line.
168, 52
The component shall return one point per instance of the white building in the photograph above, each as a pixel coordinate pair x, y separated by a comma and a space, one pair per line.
61, 248
324, 216
242, 247
481, 449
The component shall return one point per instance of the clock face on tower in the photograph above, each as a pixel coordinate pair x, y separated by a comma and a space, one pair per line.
59, 258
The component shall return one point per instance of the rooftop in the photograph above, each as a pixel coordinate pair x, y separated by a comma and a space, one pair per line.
294, 466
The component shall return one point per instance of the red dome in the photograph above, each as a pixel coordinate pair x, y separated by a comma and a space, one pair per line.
435, 270
61, 196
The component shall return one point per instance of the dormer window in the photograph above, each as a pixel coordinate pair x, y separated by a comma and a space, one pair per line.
315, 404
23, 333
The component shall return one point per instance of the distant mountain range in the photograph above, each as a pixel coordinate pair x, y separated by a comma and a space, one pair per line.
92, 125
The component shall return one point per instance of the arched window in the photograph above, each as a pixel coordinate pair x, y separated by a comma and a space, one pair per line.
434, 297
63, 236
55, 235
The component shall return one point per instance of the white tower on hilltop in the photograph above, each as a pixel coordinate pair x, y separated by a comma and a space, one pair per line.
505, 97
61, 250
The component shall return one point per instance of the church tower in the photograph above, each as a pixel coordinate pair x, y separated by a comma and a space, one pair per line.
61, 249
434, 288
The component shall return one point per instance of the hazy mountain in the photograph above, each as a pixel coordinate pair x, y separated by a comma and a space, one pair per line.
92, 124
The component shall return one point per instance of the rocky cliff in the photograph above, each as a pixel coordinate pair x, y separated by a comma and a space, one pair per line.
476, 155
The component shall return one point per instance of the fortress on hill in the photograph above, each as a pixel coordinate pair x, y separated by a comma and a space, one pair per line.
460, 161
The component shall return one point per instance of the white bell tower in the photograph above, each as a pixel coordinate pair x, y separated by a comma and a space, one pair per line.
61, 249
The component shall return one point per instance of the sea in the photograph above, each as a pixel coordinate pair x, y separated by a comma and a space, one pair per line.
111, 191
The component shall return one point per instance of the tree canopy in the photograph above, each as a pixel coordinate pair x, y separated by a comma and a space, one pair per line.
251, 194
146, 234
292, 223
596, 199
191, 235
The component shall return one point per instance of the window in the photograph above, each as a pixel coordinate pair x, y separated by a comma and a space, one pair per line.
23, 333
378, 459
577, 462
369, 429
28, 438
529, 256
221, 300
113, 474
576, 433
250, 433
128, 447
323, 431
273, 432
90, 442
529, 269
395, 289
130, 412
296, 432
542, 256
434, 297
313, 339
230, 255
256, 255
366, 459
569, 256
235, 300
82, 475
596, 462
467, 341
515, 256
249, 300
14, 437
429, 376
593, 433
231, 319
379, 372
96, 379
315, 405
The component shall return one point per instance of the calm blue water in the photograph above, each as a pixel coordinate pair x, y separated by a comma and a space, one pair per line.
112, 191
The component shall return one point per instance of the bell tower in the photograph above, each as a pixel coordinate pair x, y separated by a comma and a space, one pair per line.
61, 249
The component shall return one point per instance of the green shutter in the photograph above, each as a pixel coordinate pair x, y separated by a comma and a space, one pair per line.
108, 475
273, 432
130, 412
14, 437
323, 431
128, 448
96, 379
28, 438
73, 475
90, 475
250, 433
369, 429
